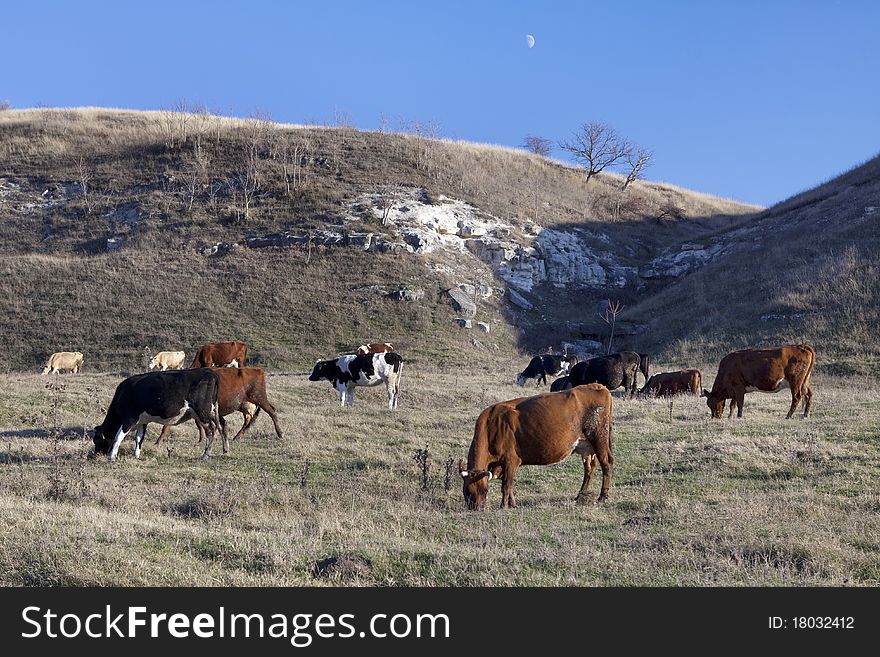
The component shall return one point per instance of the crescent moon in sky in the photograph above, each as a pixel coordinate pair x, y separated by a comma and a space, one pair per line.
530, 40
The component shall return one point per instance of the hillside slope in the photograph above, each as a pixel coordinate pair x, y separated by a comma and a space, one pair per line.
121, 230
807, 268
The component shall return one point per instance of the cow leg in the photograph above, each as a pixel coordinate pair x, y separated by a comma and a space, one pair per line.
349, 391
118, 439
248, 420
795, 400
139, 439
209, 436
808, 400
166, 429
606, 460
341, 389
392, 394
507, 474
740, 400
589, 466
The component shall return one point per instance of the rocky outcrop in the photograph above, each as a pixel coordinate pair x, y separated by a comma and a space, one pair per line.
678, 262
462, 303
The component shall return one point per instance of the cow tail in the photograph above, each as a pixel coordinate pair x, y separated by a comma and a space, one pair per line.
809, 349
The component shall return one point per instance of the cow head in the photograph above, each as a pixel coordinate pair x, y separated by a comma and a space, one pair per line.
475, 486
101, 440
153, 363
520, 380
715, 404
322, 370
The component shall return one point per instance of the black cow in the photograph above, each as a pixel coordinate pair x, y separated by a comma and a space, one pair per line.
540, 366
612, 371
169, 397
562, 383
350, 371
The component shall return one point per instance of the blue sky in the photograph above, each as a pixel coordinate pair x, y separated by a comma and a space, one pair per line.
750, 100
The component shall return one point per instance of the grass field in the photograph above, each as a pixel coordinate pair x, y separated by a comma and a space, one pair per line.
760, 501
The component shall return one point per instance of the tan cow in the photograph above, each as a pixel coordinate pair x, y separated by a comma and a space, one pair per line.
765, 370
167, 360
539, 430
666, 384
64, 360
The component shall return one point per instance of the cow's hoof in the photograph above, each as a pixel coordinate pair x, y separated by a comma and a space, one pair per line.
602, 499
582, 500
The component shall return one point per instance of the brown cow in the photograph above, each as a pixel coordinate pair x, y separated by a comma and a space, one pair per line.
667, 384
221, 354
241, 389
374, 348
539, 430
766, 370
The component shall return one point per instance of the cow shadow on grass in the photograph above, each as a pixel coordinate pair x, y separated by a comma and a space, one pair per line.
61, 433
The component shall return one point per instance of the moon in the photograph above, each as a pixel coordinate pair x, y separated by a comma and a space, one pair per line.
530, 40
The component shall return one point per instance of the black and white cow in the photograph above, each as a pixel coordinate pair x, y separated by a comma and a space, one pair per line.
169, 397
348, 372
540, 366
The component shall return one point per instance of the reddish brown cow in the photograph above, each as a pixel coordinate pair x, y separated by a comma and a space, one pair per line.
539, 430
766, 370
244, 390
667, 384
221, 354
374, 348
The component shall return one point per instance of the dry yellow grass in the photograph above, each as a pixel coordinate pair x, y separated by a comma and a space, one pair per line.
761, 501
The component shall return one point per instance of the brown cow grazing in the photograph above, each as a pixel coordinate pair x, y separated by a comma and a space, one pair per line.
244, 390
221, 354
667, 384
64, 360
539, 430
374, 348
766, 370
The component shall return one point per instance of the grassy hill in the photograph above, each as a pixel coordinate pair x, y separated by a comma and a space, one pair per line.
165, 187
805, 269
109, 219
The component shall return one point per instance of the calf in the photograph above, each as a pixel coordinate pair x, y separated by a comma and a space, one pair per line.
765, 370
165, 397
348, 372
540, 366
64, 360
244, 390
167, 360
539, 430
221, 354
374, 348
667, 384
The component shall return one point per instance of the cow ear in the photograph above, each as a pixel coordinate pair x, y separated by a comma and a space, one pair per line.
462, 469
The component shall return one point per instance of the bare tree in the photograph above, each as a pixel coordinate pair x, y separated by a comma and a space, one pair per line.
248, 168
597, 146
637, 160
84, 175
609, 316
538, 145
386, 195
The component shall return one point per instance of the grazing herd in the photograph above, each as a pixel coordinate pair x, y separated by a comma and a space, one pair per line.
575, 417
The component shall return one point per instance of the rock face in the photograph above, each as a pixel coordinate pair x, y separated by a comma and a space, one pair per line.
406, 294
462, 303
673, 264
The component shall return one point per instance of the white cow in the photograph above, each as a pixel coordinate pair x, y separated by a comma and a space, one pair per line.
64, 360
167, 360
